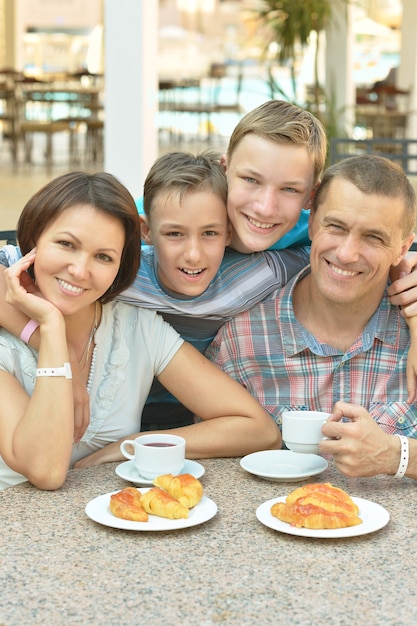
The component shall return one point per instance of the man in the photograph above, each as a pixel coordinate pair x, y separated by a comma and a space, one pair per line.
331, 340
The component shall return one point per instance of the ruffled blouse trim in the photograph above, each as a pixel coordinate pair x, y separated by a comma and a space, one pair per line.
109, 362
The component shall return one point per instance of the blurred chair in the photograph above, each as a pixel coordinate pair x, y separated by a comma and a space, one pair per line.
401, 151
390, 97
94, 148
202, 97
86, 114
8, 237
180, 98
64, 106
381, 123
219, 75
9, 109
36, 116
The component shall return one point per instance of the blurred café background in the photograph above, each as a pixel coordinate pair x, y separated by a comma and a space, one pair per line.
110, 84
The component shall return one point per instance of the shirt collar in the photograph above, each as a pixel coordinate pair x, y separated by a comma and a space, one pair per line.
383, 325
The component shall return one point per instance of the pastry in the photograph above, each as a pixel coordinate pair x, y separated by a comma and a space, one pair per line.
158, 502
126, 505
185, 488
319, 505
325, 493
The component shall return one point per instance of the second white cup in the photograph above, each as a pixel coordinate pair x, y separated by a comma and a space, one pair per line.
156, 454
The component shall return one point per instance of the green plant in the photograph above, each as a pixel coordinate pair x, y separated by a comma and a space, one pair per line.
290, 24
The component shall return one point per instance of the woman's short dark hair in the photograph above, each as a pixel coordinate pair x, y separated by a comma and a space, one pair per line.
103, 192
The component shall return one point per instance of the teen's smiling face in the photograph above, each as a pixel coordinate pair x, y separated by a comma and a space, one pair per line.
78, 257
268, 185
189, 234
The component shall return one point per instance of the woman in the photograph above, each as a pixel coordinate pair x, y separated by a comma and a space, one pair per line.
81, 234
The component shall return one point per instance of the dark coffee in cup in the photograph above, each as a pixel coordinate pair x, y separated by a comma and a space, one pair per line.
156, 444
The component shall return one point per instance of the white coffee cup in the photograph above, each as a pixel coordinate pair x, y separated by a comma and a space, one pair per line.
156, 454
301, 430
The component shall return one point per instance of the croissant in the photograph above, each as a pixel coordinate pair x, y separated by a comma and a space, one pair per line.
323, 493
126, 505
158, 502
317, 506
185, 488
311, 516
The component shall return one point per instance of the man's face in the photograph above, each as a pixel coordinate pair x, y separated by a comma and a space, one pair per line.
268, 185
356, 237
189, 235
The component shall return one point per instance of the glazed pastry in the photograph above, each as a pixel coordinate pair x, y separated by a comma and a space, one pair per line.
126, 505
158, 502
317, 506
185, 488
317, 493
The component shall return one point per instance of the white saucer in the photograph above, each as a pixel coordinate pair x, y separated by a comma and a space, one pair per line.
128, 471
283, 465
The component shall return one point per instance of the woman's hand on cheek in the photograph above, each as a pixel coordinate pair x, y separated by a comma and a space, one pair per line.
23, 293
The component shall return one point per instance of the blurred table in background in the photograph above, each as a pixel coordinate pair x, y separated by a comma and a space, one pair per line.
64, 104
201, 97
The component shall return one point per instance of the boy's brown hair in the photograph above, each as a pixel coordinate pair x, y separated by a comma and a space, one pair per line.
180, 172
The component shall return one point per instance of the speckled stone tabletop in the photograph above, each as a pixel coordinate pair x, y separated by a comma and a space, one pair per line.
58, 567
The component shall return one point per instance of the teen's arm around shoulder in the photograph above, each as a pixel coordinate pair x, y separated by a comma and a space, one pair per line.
233, 422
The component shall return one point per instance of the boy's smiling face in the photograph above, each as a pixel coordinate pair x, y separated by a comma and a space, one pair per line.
189, 234
268, 185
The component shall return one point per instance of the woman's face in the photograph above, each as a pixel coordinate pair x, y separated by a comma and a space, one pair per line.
78, 257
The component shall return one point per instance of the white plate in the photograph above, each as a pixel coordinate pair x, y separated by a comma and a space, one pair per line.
373, 516
99, 511
128, 471
283, 465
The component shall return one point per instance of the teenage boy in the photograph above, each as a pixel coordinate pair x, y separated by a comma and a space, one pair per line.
274, 161
335, 342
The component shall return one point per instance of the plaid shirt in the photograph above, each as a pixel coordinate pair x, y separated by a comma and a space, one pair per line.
285, 367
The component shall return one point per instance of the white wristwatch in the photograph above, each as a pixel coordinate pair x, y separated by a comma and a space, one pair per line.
55, 371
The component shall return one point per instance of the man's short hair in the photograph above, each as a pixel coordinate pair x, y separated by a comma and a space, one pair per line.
373, 174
